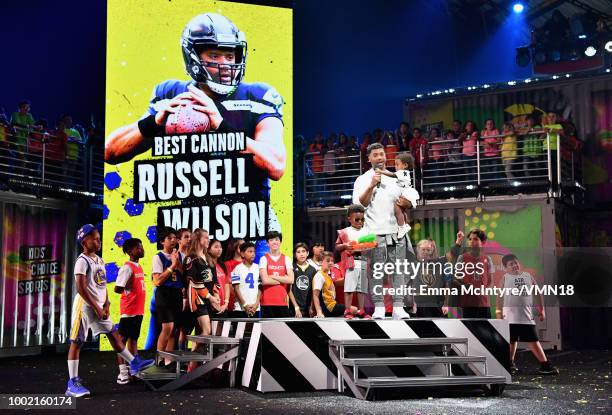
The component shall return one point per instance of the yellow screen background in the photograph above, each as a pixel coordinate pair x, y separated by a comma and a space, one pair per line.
143, 49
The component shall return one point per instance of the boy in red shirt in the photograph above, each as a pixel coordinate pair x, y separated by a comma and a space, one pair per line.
276, 274
475, 269
130, 284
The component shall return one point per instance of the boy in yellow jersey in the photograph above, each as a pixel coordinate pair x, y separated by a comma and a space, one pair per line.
324, 293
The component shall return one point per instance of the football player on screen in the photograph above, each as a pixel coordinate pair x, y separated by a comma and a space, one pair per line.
215, 53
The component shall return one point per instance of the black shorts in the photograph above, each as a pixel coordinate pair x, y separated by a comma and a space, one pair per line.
337, 311
475, 312
523, 332
168, 304
431, 312
188, 321
202, 310
242, 314
129, 327
275, 311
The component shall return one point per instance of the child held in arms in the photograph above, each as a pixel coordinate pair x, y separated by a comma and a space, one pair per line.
403, 164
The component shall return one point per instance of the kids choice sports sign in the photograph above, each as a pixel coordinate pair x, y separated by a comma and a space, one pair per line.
218, 178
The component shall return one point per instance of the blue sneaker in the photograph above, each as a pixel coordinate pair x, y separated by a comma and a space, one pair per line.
138, 365
75, 389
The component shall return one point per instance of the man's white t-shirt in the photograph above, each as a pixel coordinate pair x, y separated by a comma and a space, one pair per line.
379, 215
518, 309
93, 269
248, 280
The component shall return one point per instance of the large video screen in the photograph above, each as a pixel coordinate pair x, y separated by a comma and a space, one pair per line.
198, 125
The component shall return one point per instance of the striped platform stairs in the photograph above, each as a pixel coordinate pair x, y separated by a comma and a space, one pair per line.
368, 364
215, 351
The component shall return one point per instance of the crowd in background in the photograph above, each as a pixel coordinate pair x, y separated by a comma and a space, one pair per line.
508, 151
26, 140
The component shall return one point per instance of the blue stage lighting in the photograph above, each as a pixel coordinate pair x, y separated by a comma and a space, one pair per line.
518, 7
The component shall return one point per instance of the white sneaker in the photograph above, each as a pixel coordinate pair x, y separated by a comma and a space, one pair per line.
123, 378
400, 314
402, 231
379, 313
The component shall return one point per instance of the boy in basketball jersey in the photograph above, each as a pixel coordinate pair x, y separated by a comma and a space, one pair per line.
247, 286
131, 285
518, 310
276, 272
90, 310
300, 294
324, 294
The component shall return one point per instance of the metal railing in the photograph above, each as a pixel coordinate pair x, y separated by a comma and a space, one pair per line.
526, 165
32, 159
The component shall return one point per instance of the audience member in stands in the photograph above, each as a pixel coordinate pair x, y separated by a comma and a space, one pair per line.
518, 311
5, 148
436, 155
341, 153
509, 149
330, 162
56, 152
379, 136
363, 149
300, 294
418, 149
458, 131
475, 269
352, 147
468, 149
489, 159
403, 136
533, 149
73, 147
324, 292
223, 278
391, 148
36, 141
21, 120
352, 264
247, 285
430, 275
317, 254
316, 151
453, 156
555, 132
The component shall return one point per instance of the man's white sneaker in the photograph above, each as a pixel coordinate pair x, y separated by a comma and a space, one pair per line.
400, 314
379, 313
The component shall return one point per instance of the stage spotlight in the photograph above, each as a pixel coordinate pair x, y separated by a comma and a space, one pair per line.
523, 57
590, 51
608, 46
518, 7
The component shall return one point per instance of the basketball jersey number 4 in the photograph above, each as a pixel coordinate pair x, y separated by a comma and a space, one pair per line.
250, 280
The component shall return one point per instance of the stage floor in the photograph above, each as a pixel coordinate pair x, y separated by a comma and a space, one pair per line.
581, 388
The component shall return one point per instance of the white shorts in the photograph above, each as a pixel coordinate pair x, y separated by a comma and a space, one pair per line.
410, 194
356, 279
84, 318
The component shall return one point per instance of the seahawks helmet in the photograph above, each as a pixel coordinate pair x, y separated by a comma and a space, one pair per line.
212, 30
